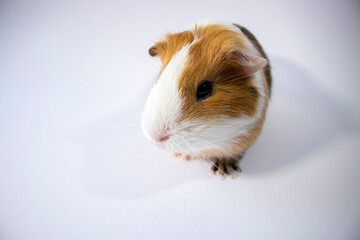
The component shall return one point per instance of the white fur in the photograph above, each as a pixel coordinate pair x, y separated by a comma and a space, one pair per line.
197, 135
164, 105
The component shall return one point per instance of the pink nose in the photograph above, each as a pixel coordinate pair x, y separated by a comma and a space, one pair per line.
163, 139
160, 137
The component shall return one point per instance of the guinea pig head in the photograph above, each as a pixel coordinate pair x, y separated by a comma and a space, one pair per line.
208, 92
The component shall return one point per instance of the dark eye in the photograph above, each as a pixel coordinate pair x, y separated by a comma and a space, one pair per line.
204, 90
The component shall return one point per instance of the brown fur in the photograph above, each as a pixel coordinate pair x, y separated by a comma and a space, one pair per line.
242, 143
211, 58
257, 45
241, 93
169, 45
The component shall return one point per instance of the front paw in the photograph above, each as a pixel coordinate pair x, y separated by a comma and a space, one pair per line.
225, 167
182, 156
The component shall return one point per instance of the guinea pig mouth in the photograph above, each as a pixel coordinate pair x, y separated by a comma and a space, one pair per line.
160, 145
164, 145
162, 139
169, 144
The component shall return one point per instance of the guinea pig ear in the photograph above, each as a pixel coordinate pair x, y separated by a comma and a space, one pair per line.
153, 51
157, 49
249, 63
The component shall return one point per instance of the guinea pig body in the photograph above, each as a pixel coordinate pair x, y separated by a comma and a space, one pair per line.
211, 95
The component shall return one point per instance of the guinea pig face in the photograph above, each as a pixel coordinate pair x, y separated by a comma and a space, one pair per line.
209, 90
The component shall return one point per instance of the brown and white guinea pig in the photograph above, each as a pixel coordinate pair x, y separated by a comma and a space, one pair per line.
210, 98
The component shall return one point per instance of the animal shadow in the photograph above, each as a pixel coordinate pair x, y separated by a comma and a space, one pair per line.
301, 117
121, 163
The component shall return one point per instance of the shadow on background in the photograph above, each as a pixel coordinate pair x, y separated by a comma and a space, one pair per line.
121, 163
301, 118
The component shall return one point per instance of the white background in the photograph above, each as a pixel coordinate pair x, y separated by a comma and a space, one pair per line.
74, 164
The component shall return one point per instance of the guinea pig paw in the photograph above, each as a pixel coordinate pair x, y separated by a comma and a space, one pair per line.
186, 157
225, 167
183, 156
176, 154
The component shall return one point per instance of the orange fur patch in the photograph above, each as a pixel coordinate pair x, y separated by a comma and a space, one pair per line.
169, 45
210, 57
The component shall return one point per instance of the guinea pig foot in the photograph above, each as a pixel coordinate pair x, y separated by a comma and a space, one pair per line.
183, 156
225, 167
176, 154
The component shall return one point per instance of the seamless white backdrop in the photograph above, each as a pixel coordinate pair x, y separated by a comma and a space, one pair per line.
74, 164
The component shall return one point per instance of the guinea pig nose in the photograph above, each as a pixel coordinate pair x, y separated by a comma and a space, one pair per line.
160, 136
163, 139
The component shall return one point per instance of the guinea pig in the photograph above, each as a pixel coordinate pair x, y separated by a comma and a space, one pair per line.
210, 98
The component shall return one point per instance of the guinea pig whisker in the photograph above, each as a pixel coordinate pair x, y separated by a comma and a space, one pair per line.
171, 144
231, 152
183, 140
124, 125
203, 139
136, 131
212, 163
130, 121
241, 163
257, 160
202, 157
235, 78
133, 137
153, 72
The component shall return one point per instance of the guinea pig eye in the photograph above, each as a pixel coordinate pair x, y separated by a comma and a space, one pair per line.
204, 90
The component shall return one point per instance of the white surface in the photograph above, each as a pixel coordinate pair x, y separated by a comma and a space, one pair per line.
74, 164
